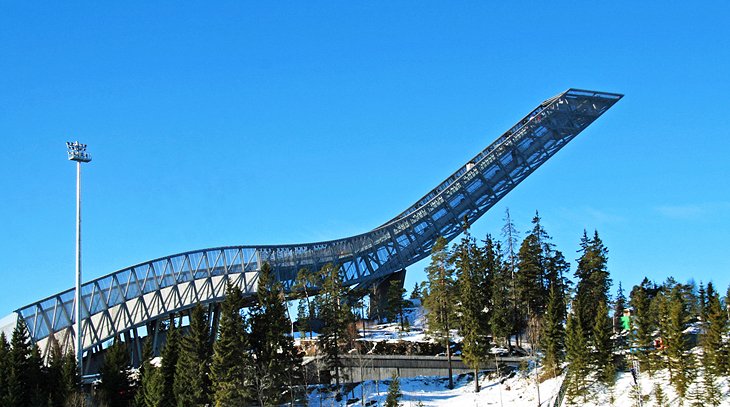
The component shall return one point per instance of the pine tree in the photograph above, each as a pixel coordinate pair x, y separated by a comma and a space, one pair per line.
170, 355
603, 346
416, 293
55, 386
501, 319
145, 373
394, 393
578, 357
230, 364
531, 292
115, 386
439, 302
511, 236
37, 378
395, 302
593, 280
70, 374
192, 375
727, 301
302, 318
19, 378
702, 303
556, 269
153, 384
304, 281
659, 397
716, 325
553, 337
619, 305
644, 323
273, 349
714, 357
471, 267
336, 316
4, 367
711, 394
673, 324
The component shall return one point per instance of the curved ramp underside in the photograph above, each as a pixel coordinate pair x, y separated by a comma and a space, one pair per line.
146, 292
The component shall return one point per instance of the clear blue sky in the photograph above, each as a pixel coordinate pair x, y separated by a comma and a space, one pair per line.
240, 123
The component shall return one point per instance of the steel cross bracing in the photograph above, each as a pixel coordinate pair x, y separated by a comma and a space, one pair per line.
139, 295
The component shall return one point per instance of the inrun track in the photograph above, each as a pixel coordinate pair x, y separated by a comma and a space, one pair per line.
121, 303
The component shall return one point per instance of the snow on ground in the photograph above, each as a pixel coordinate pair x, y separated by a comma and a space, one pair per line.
518, 390
391, 332
624, 393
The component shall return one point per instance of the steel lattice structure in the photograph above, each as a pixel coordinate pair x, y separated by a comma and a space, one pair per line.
136, 296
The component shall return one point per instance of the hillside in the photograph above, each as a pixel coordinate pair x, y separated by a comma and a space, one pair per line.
511, 388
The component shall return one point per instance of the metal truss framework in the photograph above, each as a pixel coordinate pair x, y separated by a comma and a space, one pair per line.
143, 294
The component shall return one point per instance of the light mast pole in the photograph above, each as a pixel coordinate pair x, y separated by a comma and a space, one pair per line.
77, 152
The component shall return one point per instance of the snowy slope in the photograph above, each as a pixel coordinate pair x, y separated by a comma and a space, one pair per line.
518, 389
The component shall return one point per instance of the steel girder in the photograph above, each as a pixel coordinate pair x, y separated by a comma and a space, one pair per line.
137, 295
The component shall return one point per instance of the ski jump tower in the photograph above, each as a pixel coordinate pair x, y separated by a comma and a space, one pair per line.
131, 302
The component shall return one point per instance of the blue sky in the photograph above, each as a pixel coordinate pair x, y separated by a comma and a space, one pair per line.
239, 123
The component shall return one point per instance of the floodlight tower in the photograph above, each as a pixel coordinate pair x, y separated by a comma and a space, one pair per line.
77, 152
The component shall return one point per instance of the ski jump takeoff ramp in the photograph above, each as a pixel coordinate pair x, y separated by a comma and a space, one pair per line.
131, 302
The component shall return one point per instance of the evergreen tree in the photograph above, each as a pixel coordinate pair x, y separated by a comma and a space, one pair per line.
170, 355
556, 269
115, 385
673, 323
145, 373
55, 386
39, 395
192, 375
511, 236
578, 357
727, 301
603, 346
659, 397
395, 302
230, 364
336, 316
714, 355
593, 280
619, 305
303, 284
471, 271
272, 347
302, 318
394, 393
644, 323
439, 302
531, 292
4, 368
711, 394
553, 337
70, 374
416, 293
501, 318
716, 326
19, 379
702, 303
153, 384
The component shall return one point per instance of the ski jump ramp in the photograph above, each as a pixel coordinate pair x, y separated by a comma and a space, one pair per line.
139, 297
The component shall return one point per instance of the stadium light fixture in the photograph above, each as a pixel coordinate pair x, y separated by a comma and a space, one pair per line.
77, 152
